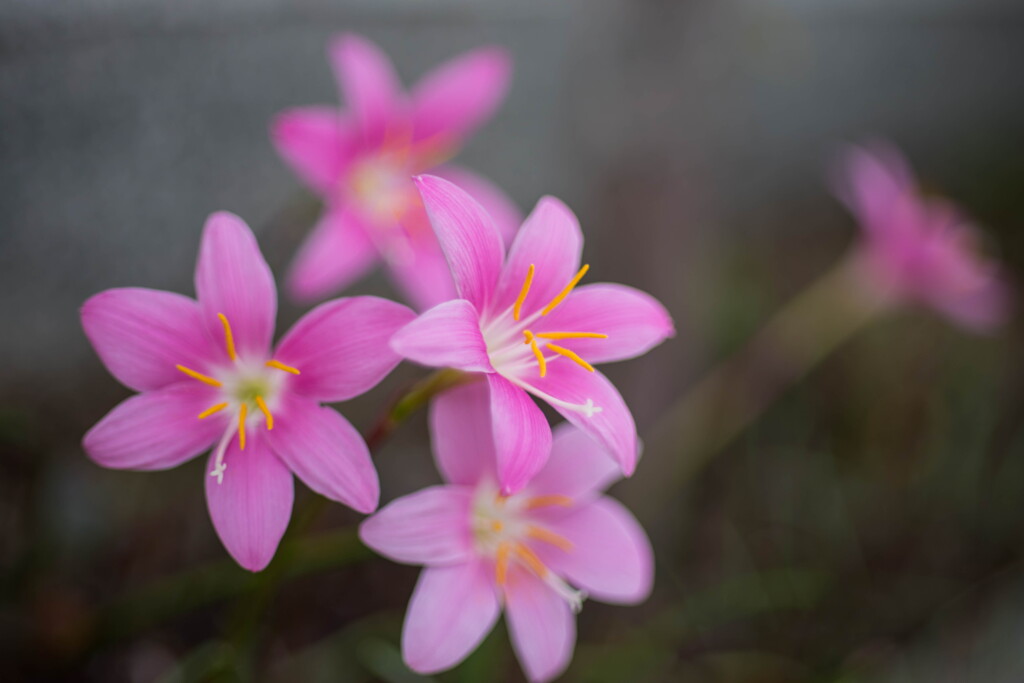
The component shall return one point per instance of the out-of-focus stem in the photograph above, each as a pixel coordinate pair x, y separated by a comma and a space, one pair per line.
733, 395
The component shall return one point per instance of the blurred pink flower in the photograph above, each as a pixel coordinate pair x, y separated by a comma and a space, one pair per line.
512, 320
361, 163
526, 551
206, 377
918, 249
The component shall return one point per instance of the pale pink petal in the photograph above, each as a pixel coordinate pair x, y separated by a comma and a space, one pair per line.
452, 100
542, 626
579, 466
325, 451
982, 309
157, 429
634, 321
468, 236
317, 142
522, 435
232, 278
551, 241
142, 334
341, 347
422, 275
502, 210
870, 180
429, 527
462, 435
337, 252
592, 403
451, 611
448, 335
368, 80
251, 507
611, 558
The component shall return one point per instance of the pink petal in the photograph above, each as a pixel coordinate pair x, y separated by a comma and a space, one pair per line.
574, 388
462, 435
468, 237
429, 527
506, 215
981, 309
451, 101
542, 627
368, 80
142, 334
551, 241
233, 279
335, 254
341, 347
870, 180
522, 435
579, 466
423, 276
611, 558
156, 430
634, 321
317, 142
448, 335
250, 508
451, 611
326, 452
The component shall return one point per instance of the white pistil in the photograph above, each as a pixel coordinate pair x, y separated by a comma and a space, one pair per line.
218, 463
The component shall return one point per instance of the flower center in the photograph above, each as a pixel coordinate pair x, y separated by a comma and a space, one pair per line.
245, 389
504, 531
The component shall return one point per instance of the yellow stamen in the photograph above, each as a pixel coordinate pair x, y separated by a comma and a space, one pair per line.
497, 526
571, 335
501, 565
229, 339
531, 560
266, 412
565, 292
571, 356
540, 357
241, 426
212, 409
549, 537
281, 366
199, 376
517, 309
548, 501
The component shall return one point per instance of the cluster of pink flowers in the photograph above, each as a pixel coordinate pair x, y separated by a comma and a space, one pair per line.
521, 523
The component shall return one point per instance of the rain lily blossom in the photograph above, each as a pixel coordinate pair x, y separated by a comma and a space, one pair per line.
207, 378
918, 249
525, 324
538, 553
361, 162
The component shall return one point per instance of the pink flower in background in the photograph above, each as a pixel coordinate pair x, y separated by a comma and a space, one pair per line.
916, 248
538, 552
207, 377
361, 163
526, 325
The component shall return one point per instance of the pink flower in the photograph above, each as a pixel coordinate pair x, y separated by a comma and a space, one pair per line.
538, 552
361, 163
206, 377
525, 324
918, 249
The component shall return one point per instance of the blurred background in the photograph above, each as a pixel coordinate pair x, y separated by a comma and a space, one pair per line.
868, 527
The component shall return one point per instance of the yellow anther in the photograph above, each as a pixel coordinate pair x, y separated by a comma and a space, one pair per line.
548, 501
229, 339
241, 427
540, 357
565, 292
497, 526
281, 366
571, 356
571, 335
549, 537
212, 409
501, 564
266, 412
531, 560
205, 379
518, 308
